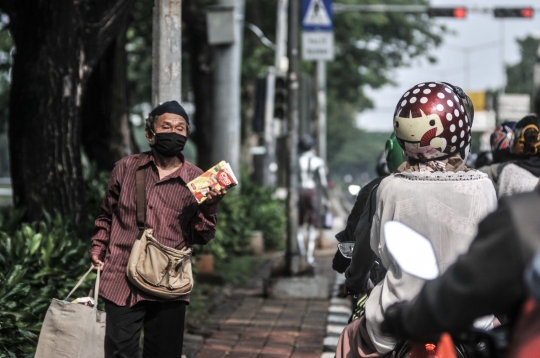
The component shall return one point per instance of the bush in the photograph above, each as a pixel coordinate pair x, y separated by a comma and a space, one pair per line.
265, 212
253, 207
41, 261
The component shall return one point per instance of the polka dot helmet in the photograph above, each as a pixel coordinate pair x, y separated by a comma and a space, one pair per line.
433, 120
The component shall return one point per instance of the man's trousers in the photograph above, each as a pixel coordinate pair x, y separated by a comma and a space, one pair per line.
163, 329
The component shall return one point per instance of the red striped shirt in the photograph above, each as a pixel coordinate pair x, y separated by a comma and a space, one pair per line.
171, 211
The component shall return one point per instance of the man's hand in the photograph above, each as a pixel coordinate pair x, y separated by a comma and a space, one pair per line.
214, 196
96, 262
340, 262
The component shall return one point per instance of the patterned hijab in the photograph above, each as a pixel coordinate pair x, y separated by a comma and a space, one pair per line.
451, 164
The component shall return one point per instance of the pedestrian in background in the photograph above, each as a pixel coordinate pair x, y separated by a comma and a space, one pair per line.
177, 220
313, 190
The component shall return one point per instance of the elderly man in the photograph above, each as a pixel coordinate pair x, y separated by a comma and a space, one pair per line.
177, 220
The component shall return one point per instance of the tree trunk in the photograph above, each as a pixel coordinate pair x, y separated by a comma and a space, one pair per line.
57, 44
201, 79
106, 129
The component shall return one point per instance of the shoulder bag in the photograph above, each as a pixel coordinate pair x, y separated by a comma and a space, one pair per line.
154, 268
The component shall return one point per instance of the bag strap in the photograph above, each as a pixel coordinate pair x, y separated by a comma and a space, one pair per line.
140, 183
81, 281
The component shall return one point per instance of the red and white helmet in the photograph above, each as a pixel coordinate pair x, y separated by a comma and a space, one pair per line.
433, 120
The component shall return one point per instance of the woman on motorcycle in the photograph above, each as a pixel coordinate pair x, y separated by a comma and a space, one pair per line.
433, 192
517, 148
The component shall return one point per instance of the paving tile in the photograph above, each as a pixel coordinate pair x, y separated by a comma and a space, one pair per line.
251, 342
284, 351
241, 355
230, 336
306, 355
210, 352
246, 349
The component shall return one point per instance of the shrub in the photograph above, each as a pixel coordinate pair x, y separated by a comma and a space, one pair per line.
40, 261
265, 212
242, 210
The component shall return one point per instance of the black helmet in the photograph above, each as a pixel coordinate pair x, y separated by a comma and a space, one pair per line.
306, 143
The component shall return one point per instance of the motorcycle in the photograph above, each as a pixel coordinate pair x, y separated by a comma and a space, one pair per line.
415, 255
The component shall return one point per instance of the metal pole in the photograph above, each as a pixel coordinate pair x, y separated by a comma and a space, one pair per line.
501, 54
281, 61
270, 166
226, 121
536, 84
468, 70
321, 109
167, 51
292, 257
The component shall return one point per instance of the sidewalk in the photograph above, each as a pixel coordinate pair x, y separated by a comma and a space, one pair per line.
250, 326
244, 324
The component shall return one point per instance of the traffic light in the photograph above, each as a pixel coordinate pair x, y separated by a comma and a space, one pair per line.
281, 97
455, 12
524, 12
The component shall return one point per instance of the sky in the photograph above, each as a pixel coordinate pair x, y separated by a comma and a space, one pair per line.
480, 36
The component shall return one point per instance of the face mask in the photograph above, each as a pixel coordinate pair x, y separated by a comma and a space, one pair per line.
169, 144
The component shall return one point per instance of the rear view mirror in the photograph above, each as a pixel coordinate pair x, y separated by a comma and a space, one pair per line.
413, 252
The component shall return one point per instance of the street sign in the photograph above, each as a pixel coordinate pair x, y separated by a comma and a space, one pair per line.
317, 15
478, 100
513, 107
317, 34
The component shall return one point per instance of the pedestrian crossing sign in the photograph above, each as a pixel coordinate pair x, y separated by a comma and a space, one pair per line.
317, 15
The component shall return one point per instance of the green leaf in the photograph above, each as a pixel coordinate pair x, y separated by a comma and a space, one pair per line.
35, 243
15, 275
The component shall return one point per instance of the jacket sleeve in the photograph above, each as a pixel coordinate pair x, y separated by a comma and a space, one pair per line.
487, 280
204, 224
102, 225
358, 273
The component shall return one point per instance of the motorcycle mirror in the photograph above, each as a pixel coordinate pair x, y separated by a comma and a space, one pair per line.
413, 252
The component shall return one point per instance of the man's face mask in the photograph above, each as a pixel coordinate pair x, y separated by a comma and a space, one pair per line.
169, 144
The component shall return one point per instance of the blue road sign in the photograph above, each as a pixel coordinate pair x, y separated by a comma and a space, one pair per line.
317, 15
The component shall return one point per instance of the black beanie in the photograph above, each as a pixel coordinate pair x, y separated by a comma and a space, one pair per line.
170, 107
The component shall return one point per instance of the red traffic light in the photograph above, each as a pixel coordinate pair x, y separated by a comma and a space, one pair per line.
527, 12
455, 12
460, 12
522, 12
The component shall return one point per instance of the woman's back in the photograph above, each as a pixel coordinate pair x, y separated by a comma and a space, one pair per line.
444, 207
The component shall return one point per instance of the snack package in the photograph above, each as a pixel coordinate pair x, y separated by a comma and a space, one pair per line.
218, 177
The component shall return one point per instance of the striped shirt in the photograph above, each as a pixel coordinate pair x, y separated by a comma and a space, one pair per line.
171, 211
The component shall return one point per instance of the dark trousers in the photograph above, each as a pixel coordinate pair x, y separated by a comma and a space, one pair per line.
163, 329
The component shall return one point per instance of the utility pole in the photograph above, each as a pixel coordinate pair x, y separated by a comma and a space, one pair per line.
167, 51
321, 109
536, 84
281, 64
281, 61
226, 121
292, 257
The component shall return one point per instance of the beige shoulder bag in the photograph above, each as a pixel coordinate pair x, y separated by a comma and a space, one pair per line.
154, 268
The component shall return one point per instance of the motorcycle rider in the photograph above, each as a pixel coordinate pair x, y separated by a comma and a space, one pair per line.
364, 271
516, 148
433, 192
